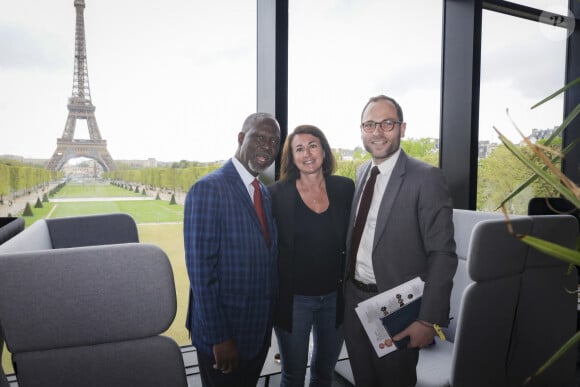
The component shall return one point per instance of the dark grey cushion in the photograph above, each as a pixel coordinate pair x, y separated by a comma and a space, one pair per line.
494, 253
105, 229
71, 316
85, 295
547, 309
9, 227
153, 361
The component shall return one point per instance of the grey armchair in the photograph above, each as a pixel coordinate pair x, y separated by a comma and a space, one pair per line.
9, 227
74, 231
90, 316
510, 305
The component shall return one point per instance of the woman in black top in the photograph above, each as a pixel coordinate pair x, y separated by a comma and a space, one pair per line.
311, 208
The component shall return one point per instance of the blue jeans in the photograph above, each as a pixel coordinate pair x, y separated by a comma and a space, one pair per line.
316, 313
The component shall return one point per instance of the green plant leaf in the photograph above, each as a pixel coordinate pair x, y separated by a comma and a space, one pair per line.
557, 92
533, 178
571, 343
553, 181
553, 249
519, 189
567, 189
571, 116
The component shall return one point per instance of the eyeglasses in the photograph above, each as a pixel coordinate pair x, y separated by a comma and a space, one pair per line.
386, 125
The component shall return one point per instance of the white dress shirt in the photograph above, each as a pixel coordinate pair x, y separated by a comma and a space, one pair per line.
246, 177
363, 271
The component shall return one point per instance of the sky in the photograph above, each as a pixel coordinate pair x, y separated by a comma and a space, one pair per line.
174, 80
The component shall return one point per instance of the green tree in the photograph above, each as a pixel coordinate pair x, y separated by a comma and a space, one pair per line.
424, 149
420, 147
499, 174
17, 178
360, 154
27, 210
347, 168
4, 181
431, 158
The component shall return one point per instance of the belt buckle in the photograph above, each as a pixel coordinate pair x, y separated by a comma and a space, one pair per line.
368, 288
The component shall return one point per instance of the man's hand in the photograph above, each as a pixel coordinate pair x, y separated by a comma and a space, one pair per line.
421, 335
226, 356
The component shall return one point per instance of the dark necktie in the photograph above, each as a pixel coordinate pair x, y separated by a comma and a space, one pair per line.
361, 217
260, 210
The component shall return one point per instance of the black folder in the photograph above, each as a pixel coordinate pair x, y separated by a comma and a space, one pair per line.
400, 319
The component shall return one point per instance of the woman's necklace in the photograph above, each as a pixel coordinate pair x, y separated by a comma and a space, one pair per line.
315, 194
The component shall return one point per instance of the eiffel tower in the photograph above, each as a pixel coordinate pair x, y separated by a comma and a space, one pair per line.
80, 107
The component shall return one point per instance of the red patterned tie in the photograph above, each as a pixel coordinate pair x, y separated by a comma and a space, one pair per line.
361, 217
260, 210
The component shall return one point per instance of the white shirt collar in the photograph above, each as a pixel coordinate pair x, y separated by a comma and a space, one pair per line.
387, 166
246, 176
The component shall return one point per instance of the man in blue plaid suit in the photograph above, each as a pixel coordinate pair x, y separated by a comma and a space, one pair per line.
231, 261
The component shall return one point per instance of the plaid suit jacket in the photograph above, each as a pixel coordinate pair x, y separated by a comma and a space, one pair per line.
232, 272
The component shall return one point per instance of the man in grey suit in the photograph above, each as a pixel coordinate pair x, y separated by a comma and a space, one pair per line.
408, 232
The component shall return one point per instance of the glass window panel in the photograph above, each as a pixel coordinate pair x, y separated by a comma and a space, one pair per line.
170, 81
161, 75
342, 52
521, 63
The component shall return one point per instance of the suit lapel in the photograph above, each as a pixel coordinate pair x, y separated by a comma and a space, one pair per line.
241, 192
360, 183
391, 192
267, 202
359, 187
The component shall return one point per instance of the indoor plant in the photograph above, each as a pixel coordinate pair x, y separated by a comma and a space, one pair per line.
547, 171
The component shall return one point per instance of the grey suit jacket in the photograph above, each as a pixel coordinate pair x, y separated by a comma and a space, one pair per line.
414, 233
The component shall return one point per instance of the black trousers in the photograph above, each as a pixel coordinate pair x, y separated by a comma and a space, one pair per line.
246, 375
